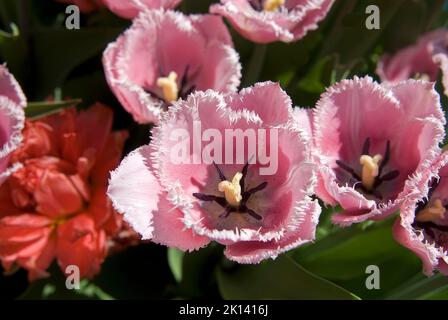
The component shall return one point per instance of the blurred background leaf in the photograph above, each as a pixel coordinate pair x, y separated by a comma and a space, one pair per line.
343, 256
281, 278
36, 110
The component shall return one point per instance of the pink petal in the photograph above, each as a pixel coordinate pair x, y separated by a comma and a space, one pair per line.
12, 117
10, 88
131, 8
282, 25
135, 192
170, 230
255, 251
145, 207
405, 235
414, 60
304, 119
149, 49
432, 253
182, 180
259, 100
352, 111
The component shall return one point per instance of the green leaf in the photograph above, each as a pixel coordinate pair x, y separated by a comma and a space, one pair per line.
344, 255
436, 294
349, 37
278, 279
59, 51
175, 258
198, 273
358, 251
422, 288
36, 110
4, 36
55, 288
319, 76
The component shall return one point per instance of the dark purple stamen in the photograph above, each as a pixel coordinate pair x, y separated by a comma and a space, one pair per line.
244, 173
386, 158
256, 4
185, 86
206, 197
252, 213
221, 175
228, 209
183, 81
226, 212
391, 175
356, 179
366, 147
154, 94
347, 168
433, 184
260, 187
428, 226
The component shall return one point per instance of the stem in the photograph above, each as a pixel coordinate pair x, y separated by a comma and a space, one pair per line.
255, 64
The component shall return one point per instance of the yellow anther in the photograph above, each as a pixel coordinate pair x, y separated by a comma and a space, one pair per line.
169, 86
370, 166
432, 212
232, 190
272, 5
422, 76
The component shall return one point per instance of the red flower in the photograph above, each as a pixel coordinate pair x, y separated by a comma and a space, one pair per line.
55, 205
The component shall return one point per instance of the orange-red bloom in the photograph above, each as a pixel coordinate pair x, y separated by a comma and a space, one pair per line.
55, 205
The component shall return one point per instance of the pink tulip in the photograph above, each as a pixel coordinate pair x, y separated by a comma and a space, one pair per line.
12, 117
265, 21
167, 55
423, 223
256, 214
374, 143
423, 60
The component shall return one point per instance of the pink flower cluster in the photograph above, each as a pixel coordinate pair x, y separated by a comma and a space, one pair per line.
240, 168
371, 148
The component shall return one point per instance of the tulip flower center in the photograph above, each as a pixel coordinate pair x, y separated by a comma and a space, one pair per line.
372, 170
267, 5
428, 215
422, 76
428, 212
272, 5
235, 195
169, 87
232, 190
432, 212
